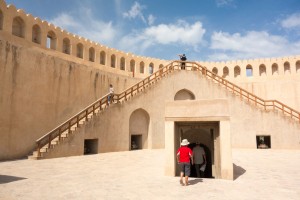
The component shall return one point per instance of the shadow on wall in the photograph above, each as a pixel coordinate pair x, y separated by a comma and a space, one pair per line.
237, 171
7, 179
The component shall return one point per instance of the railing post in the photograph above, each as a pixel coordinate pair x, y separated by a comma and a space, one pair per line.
49, 141
38, 149
86, 114
255, 101
69, 127
77, 121
94, 109
59, 134
241, 94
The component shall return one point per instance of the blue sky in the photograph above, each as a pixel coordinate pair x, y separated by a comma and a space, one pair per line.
205, 30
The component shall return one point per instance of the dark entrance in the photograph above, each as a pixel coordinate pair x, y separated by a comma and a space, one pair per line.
263, 141
208, 169
90, 146
136, 142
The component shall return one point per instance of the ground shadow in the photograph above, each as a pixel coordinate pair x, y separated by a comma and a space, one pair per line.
237, 171
195, 181
7, 179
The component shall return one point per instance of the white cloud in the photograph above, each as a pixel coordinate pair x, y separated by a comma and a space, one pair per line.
251, 45
151, 19
221, 3
84, 24
181, 32
135, 11
292, 21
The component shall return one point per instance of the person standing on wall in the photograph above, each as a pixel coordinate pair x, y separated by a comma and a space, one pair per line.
199, 160
182, 58
184, 155
111, 94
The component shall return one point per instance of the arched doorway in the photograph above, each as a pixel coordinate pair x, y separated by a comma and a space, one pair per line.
138, 129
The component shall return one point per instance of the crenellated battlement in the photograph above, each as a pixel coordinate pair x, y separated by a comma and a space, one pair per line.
256, 68
48, 36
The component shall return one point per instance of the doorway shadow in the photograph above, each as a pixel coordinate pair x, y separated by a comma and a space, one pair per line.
7, 179
237, 171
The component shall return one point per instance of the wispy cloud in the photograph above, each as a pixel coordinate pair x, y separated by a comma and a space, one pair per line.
136, 11
180, 33
253, 44
292, 21
221, 3
85, 25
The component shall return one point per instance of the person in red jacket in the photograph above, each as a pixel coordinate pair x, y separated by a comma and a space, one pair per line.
184, 155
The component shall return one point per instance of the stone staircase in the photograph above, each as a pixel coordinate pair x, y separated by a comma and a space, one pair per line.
61, 133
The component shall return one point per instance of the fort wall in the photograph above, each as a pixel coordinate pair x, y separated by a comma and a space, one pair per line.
48, 74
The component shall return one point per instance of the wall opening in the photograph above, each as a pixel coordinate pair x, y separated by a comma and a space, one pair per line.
79, 50
237, 71
36, 34
287, 68
204, 133
263, 141
51, 40
138, 128
249, 71
92, 54
142, 66
298, 67
90, 146
102, 58
274, 69
66, 46
18, 27
113, 61
1, 20
136, 142
122, 63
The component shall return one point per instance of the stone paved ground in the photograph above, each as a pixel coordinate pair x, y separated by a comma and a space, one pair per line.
259, 175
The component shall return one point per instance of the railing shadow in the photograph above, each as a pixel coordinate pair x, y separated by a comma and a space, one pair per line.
7, 179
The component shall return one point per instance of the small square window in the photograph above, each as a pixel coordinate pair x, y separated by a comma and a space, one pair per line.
263, 141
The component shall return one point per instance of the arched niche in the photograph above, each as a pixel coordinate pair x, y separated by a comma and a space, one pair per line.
298, 66
274, 69
122, 63
249, 71
113, 61
215, 70
142, 67
287, 68
184, 94
66, 46
225, 72
132, 65
36, 34
18, 27
1, 20
79, 50
102, 57
237, 71
151, 68
92, 54
51, 40
262, 70
138, 128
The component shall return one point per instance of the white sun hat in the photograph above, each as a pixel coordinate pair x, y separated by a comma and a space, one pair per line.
184, 142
